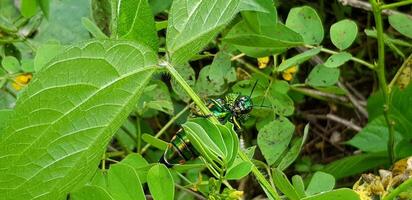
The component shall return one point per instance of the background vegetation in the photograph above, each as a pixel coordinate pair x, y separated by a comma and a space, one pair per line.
91, 92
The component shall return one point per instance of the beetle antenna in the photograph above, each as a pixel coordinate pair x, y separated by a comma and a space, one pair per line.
253, 89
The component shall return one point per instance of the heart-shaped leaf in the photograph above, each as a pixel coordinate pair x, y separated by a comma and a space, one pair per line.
64, 119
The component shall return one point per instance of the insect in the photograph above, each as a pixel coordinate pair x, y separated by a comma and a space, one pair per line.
179, 150
232, 108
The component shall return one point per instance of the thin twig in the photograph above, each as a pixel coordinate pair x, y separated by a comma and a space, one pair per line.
353, 100
345, 122
191, 192
367, 6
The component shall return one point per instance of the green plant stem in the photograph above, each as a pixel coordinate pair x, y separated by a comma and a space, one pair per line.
198, 196
354, 59
380, 71
264, 183
166, 126
402, 187
395, 5
138, 133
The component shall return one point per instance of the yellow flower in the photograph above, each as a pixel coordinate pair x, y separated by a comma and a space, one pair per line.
289, 73
21, 81
236, 194
263, 62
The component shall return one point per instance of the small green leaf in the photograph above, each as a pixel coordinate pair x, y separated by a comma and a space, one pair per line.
294, 151
161, 183
337, 60
44, 6
321, 76
139, 164
93, 29
28, 8
155, 142
402, 23
274, 138
339, 194
45, 53
135, 21
306, 21
11, 64
299, 186
155, 98
265, 43
192, 25
124, 183
27, 65
343, 33
89, 192
214, 79
298, 59
320, 182
239, 171
282, 182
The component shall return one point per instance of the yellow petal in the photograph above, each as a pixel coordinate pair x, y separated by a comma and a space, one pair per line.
263, 62
292, 70
16, 86
287, 76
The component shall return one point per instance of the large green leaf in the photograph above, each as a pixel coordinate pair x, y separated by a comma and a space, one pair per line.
63, 24
161, 183
262, 22
193, 24
401, 111
91, 192
374, 137
124, 184
67, 115
355, 164
339, 194
306, 21
264, 43
274, 138
135, 21
5, 116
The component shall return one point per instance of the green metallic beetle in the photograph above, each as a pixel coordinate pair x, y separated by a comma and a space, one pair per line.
232, 108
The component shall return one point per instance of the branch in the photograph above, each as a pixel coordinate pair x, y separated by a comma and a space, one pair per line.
367, 6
